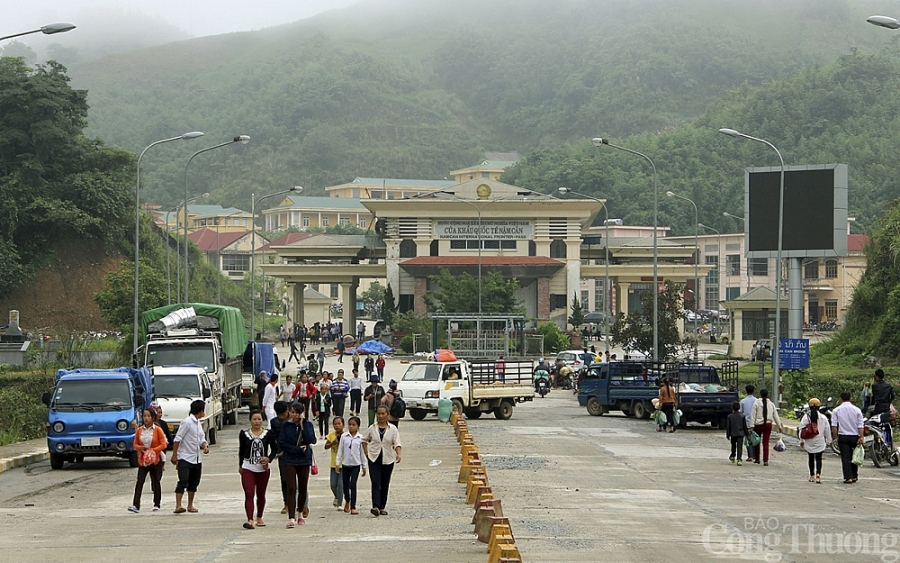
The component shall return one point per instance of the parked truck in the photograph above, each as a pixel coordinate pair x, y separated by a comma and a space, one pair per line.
705, 393
629, 387
258, 356
473, 387
209, 336
95, 412
179, 386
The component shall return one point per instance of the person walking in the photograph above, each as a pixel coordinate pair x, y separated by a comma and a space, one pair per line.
287, 392
348, 463
500, 369
322, 402
256, 447
320, 359
270, 395
815, 435
373, 396
295, 442
747, 410
388, 401
356, 389
667, 402
882, 395
865, 397
190, 441
332, 443
735, 430
360, 331
340, 388
304, 392
262, 379
379, 365
381, 446
150, 443
281, 416
763, 416
341, 348
847, 424
313, 366
369, 365
293, 345
356, 360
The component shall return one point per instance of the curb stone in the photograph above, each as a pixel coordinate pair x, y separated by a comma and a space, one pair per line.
9, 463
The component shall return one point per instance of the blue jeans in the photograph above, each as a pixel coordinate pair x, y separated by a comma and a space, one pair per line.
337, 488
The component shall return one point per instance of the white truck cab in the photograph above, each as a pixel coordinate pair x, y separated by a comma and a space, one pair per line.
178, 386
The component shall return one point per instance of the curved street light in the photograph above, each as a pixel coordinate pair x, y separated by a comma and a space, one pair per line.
599, 141
243, 139
253, 204
137, 224
61, 27
606, 312
776, 369
727, 214
884, 21
696, 271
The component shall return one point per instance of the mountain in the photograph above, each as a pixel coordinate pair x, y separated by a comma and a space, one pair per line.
416, 88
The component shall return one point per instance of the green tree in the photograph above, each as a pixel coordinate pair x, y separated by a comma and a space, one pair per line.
635, 331
459, 294
373, 298
576, 319
389, 307
554, 340
116, 299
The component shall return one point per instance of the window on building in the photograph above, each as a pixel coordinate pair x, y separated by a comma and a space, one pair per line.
407, 248
732, 246
485, 174
508, 244
433, 248
491, 244
532, 248
457, 245
304, 220
732, 293
343, 220
598, 294
362, 223
761, 324
712, 278
236, 262
335, 290
377, 194
758, 266
557, 301
831, 268
811, 270
711, 249
407, 302
831, 310
558, 249
584, 299
314, 286
324, 221
733, 264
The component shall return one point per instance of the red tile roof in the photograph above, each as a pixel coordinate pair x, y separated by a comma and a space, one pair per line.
485, 261
285, 240
208, 241
855, 243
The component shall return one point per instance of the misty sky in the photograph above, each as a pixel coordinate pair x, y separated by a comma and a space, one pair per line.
195, 17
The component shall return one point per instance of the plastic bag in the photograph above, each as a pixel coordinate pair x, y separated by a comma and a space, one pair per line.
660, 418
859, 455
677, 416
752, 439
779, 446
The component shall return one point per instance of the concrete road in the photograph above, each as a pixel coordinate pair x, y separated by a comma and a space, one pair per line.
575, 487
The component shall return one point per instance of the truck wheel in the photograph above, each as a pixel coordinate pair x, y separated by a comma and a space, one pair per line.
212, 435
473, 413
57, 461
418, 414
504, 411
219, 423
231, 418
133, 459
641, 411
593, 407
458, 406
682, 422
720, 423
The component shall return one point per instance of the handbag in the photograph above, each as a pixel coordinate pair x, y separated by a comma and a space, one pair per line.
810, 431
753, 438
314, 470
148, 457
859, 455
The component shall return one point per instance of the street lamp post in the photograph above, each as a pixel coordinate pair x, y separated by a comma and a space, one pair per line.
137, 223
606, 312
597, 142
243, 139
718, 268
46, 30
696, 268
884, 21
776, 369
253, 203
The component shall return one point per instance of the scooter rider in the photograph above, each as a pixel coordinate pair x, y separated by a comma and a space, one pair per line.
541, 372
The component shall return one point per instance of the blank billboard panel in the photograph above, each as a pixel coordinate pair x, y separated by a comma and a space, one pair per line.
815, 211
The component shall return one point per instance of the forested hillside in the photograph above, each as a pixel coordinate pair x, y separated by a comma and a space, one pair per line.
403, 88
844, 112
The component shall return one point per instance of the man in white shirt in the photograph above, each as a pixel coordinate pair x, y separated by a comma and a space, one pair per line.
269, 397
847, 424
356, 389
287, 393
360, 331
747, 411
189, 442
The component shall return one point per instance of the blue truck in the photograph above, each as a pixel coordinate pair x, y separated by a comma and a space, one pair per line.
704, 393
95, 412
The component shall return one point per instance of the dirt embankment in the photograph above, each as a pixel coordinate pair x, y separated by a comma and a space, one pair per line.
60, 296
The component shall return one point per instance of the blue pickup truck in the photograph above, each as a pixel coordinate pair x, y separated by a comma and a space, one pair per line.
704, 393
95, 412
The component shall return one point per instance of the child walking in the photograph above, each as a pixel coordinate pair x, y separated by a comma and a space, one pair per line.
348, 463
735, 430
333, 442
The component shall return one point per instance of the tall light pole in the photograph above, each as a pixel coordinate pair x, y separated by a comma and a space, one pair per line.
696, 268
597, 142
718, 267
606, 312
253, 204
884, 21
727, 214
137, 224
776, 370
243, 139
61, 27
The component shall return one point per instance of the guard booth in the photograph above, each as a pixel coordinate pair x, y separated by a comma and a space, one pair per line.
473, 336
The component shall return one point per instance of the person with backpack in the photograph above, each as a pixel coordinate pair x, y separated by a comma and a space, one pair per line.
815, 435
395, 404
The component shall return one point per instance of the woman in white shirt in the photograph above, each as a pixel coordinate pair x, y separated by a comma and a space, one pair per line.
816, 443
381, 445
349, 461
764, 414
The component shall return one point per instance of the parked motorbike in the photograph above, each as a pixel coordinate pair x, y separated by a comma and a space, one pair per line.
878, 437
564, 380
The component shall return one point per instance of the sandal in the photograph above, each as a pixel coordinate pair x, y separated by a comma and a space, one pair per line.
812, 478
260, 523
353, 511
374, 512
248, 526
382, 512
179, 510
818, 479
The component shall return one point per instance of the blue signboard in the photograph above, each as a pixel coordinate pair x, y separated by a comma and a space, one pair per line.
793, 353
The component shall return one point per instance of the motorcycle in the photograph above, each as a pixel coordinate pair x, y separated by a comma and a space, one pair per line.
542, 383
878, 440
564, 380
